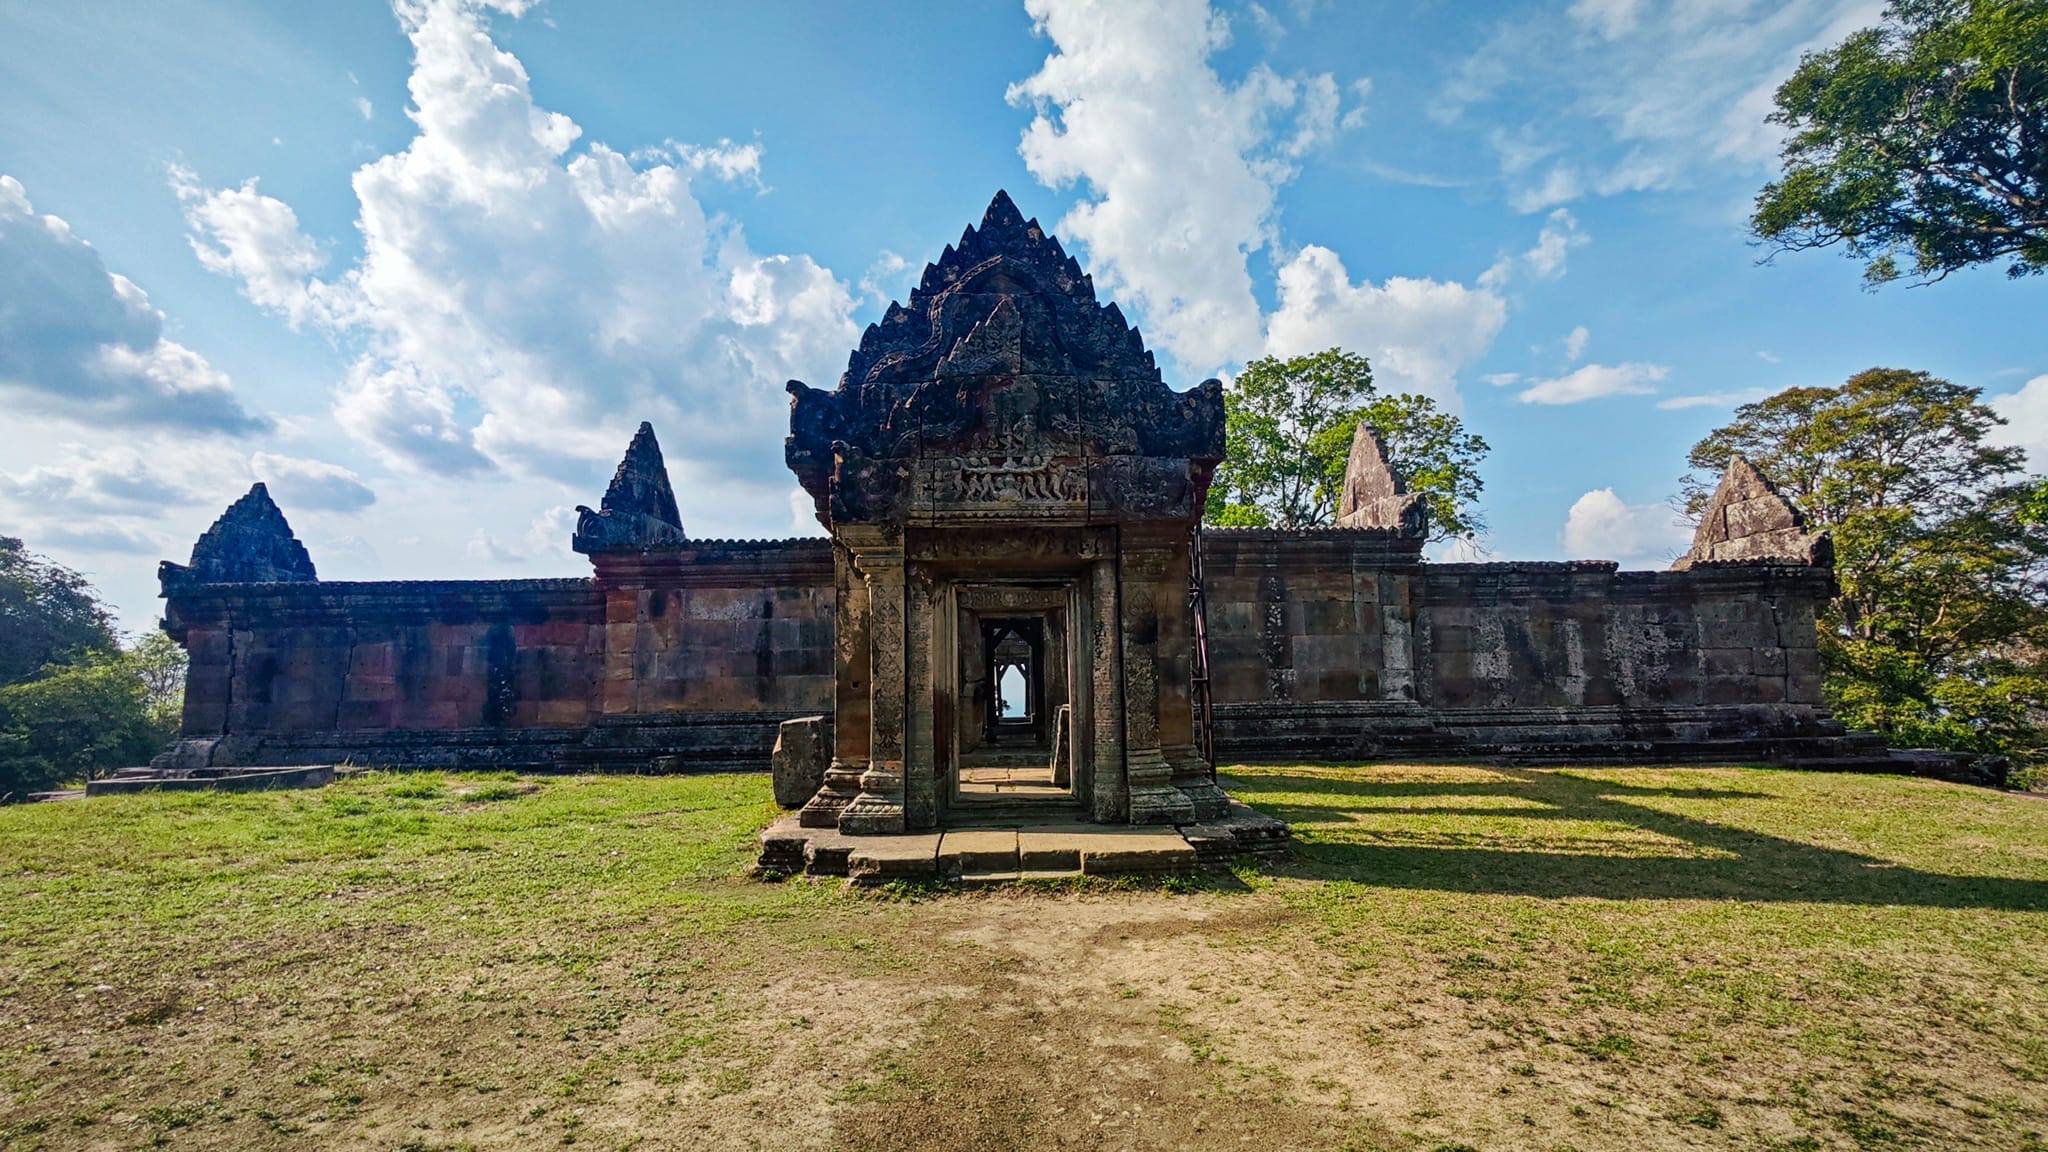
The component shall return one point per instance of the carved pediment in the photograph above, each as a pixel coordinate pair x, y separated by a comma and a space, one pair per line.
1002, 361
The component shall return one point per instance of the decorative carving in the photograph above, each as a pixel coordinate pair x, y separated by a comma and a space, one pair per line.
998, 383
639, 511
250, 544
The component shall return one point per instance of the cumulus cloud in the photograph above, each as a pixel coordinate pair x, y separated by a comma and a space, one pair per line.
547, 538
1595, 381
296, 482
1575, 343
142, 497
1649, 93
524, 298
84, 343
1180, 169
1180, 172
138, 479
1418, 334
1602, 526
2026, 427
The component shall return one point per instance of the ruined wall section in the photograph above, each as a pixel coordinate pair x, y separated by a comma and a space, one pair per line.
687, 658
1335, 643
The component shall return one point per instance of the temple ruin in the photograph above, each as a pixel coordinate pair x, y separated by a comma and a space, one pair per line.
1015, 616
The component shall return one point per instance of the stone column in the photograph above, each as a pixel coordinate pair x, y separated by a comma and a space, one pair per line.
1148, 775
879, 807
920, 727
1110, 799
850, 659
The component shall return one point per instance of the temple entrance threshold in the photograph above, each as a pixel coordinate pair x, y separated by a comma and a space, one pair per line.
1018, 850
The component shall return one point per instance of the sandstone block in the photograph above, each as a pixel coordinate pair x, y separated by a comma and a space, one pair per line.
803, 749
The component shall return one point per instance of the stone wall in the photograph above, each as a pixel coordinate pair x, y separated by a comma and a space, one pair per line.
1323, 644
690, 660
1339, 642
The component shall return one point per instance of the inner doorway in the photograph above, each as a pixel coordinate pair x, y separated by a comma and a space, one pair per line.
1015, 736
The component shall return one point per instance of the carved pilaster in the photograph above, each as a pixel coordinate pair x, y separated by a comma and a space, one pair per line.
850, 702
920, 746
1148, 774
1109, 797
879, 807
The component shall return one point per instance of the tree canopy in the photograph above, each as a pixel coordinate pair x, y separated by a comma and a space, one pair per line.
1920, 145
1290, 427
1938, 635
48, 614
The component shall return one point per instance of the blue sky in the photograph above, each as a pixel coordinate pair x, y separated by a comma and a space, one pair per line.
423, 267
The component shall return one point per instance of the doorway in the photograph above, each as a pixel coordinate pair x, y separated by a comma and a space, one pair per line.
1014, 742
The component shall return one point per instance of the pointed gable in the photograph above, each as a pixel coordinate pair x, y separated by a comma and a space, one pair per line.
250, 544
1376, 496
639, 509
1749, 522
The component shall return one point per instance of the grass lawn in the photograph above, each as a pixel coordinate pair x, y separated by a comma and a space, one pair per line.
1456, 958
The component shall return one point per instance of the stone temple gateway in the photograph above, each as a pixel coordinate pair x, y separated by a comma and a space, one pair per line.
1002, 624
1002, 464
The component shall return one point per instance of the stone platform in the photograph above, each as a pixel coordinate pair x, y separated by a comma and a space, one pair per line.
992, 852
211, 779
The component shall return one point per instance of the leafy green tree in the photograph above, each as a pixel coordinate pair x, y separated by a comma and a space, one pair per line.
1291, 423
160, 664
1939, 633
48, 614
1923, 140
74, 722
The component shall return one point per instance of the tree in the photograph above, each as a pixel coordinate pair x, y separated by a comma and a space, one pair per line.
48, 614
75, 721
1291, 423
1922, 140
160, 665
1939, 632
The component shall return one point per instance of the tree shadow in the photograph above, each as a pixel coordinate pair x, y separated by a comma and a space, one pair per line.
1735, 864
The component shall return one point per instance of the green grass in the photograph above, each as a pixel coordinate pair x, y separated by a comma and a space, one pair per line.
1455, 956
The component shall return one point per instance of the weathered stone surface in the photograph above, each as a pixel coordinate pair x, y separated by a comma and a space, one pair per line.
1748, 522
249, 544
803, 749
1002, 390
876, 860
970, 850
1062, 746
1001, 449
639, 509
1375, 496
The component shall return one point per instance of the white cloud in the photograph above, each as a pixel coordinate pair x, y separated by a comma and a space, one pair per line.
1640, 96
1545, 261
1575, 343
1361, 94
523, 299
296, 482
1595, 381
1715, 399
240, 232
2026, 414
1180, 169
80, 342
1418, 334
1613, 19
547, 538
364, 108
1601, 525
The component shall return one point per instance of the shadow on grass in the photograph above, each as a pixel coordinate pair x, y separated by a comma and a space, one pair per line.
1740, 865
